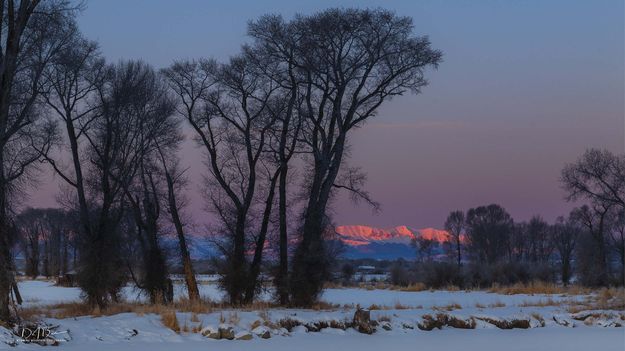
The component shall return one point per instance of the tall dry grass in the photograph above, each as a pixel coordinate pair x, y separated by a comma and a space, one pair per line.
169, 320
539, 287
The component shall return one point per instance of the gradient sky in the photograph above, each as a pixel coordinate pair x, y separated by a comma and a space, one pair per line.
525, 87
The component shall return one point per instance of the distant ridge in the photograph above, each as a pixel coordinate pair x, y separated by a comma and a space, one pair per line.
368, 242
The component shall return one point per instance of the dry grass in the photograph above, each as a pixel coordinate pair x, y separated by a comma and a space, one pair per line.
497, 304
325, 306
452, 306
375, 307
412, 287
538, 287
541, 303
197, 328
169, 320
399, 306
77, 309
374, 286
605, 299
266, 320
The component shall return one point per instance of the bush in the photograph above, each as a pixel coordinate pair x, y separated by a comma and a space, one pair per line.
440, 274
399, 275
507, 273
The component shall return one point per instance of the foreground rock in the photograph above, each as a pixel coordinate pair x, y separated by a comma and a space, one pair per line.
262, 332
224, 331
243, 335
362, 321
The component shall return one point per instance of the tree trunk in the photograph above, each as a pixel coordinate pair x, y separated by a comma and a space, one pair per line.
566, 270
282, 284
458, 249
189, 274
310, 261
254, 271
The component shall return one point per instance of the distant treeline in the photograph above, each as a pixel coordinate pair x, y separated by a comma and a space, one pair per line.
486, 246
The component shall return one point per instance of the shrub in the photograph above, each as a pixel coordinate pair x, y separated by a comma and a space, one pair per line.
440, 274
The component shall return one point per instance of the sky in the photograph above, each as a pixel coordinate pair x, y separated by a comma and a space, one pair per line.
524, 88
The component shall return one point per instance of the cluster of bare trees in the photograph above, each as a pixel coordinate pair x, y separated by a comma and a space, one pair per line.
273, 123
589, 242
598, 177
46, 238
294, 93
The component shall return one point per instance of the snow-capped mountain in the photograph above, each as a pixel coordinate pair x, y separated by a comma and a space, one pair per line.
364, 241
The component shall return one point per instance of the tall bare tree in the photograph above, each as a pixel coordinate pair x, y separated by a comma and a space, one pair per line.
351, 62
175, 181
274, 42
565, 235
538, 240
454, 225
158, 132
599, 177
488, 233
190, 81
595, 220
233, 125
31, 33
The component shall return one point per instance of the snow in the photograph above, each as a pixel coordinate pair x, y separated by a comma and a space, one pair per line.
38, 292
552, 327
114, 333
428, 299
45, 293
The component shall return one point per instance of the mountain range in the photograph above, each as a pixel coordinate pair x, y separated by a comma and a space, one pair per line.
360, 241
368, 242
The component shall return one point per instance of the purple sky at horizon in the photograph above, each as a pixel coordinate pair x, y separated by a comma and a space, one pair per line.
525, 87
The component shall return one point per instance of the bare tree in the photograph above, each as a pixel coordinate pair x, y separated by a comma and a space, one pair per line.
31, 231
157, 133
232, 125
595, 220
114, 149
518, 243
454, 225
32, 32
175, 181
424, 247
190, 81
565, 235
86, 96
274, 42
598, 176
488, 232
351, 62
538, 240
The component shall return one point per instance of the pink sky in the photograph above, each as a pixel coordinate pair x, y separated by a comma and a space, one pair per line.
524, 88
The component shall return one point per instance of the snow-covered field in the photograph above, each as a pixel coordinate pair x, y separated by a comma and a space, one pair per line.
39, 292
401, 316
